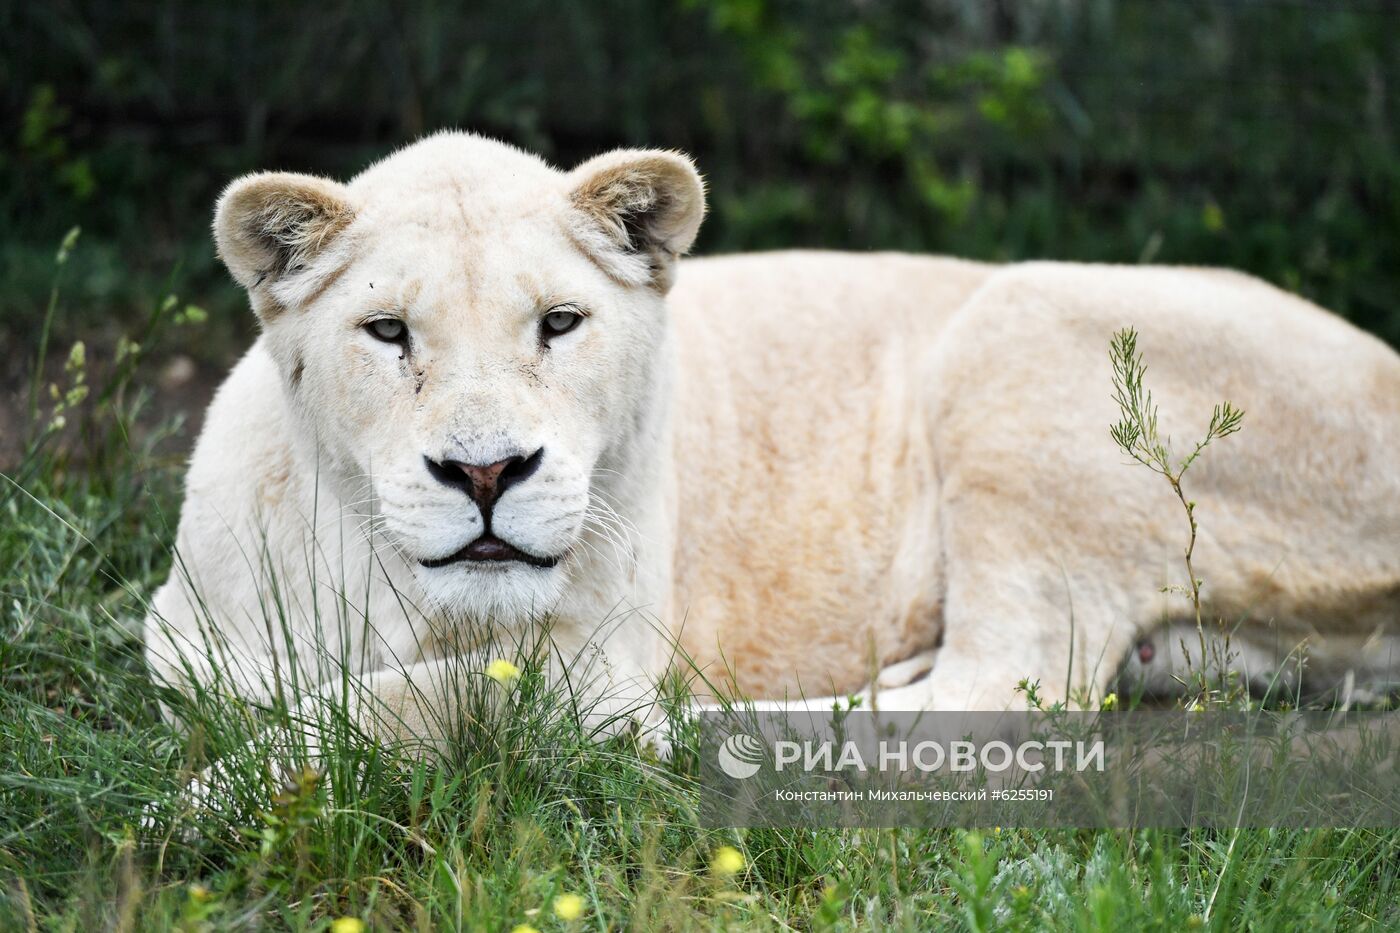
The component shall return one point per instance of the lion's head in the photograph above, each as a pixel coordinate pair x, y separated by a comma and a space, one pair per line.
473, 345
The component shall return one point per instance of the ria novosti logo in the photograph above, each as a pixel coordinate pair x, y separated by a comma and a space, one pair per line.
740, 755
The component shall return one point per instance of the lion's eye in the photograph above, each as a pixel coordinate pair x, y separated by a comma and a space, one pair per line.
558, 322
388, 329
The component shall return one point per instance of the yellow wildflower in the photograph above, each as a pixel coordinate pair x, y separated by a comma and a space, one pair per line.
502, 671
348, 925
568, 907
727, 861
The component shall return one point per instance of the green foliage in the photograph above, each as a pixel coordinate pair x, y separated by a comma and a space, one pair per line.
1136, 434
44, 146
1259, 136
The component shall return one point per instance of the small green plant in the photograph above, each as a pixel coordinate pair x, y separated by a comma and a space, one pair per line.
65, 249
974, 881
1137, 434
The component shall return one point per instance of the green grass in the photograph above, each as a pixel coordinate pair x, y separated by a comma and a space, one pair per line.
96, 832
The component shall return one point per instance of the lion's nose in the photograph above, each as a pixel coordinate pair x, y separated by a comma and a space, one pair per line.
485, 483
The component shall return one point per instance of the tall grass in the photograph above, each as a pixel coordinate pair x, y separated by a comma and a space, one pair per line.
98, 829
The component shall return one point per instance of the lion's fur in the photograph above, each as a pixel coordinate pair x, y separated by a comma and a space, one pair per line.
820, 464
941, 474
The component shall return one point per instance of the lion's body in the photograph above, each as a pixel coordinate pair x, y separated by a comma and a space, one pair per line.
806, 553
900, 453
815, 466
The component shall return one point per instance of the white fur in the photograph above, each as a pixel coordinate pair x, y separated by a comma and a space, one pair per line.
314, 452
874, 458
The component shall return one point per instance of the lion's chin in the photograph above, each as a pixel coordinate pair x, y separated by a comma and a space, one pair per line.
503, 592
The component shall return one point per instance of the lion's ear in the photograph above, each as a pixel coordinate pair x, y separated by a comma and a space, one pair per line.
639, 210
272, 224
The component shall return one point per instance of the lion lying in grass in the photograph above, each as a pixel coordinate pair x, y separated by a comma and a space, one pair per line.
488, 392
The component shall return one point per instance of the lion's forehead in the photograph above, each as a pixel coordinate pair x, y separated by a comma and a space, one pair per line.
463, 158
410, 262
460, 225
442, 209
438, 236
461, 189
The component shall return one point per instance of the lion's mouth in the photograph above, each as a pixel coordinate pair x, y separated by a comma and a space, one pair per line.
488, 547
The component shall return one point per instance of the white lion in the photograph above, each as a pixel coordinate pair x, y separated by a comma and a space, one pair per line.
474, 405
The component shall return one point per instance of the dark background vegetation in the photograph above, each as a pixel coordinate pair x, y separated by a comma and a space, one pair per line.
1257, 134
